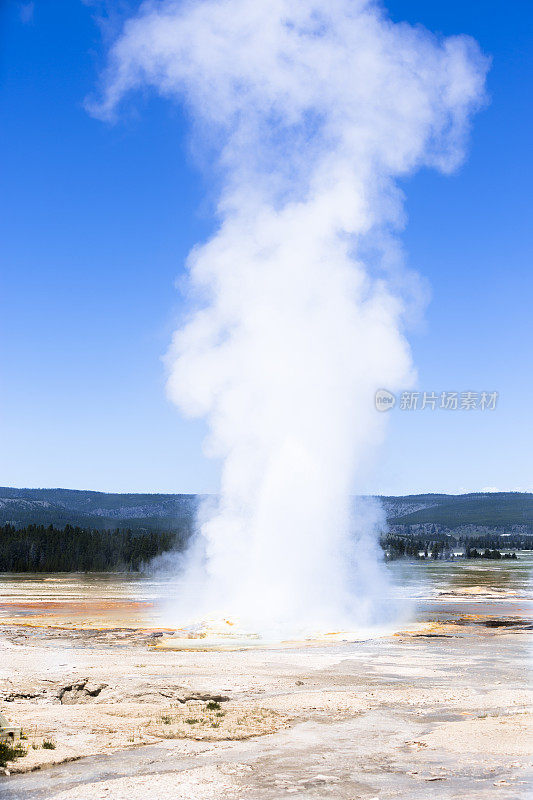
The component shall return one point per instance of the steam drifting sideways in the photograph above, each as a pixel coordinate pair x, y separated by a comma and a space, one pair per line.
308, 110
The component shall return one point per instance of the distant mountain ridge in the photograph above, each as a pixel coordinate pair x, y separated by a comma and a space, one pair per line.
474, 513
87, 509
478, 513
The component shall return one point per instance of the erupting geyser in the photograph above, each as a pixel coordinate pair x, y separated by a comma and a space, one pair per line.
309, 111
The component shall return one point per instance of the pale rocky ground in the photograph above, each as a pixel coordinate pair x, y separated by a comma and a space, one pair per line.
440, 711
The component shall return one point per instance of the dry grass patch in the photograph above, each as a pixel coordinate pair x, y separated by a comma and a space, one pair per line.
202, 721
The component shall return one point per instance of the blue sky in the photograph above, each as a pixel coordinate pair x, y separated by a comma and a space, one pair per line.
96, 223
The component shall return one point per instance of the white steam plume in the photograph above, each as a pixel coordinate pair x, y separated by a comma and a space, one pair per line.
311, 109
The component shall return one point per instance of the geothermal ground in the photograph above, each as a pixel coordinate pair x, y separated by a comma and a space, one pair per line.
441, 707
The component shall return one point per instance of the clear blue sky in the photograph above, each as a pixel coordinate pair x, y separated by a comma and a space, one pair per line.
96, 222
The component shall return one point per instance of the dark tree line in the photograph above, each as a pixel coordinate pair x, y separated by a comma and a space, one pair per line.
40, 548
440, 545
495, 555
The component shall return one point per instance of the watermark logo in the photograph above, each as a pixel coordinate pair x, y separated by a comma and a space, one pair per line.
446, 401
384, 400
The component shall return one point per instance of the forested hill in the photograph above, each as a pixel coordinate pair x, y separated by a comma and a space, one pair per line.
478, 513
469, 514
97, 510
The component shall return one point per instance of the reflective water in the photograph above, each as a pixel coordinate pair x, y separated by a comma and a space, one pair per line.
444, 589
425, 591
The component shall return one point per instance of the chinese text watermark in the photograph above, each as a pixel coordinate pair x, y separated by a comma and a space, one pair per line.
447, 401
